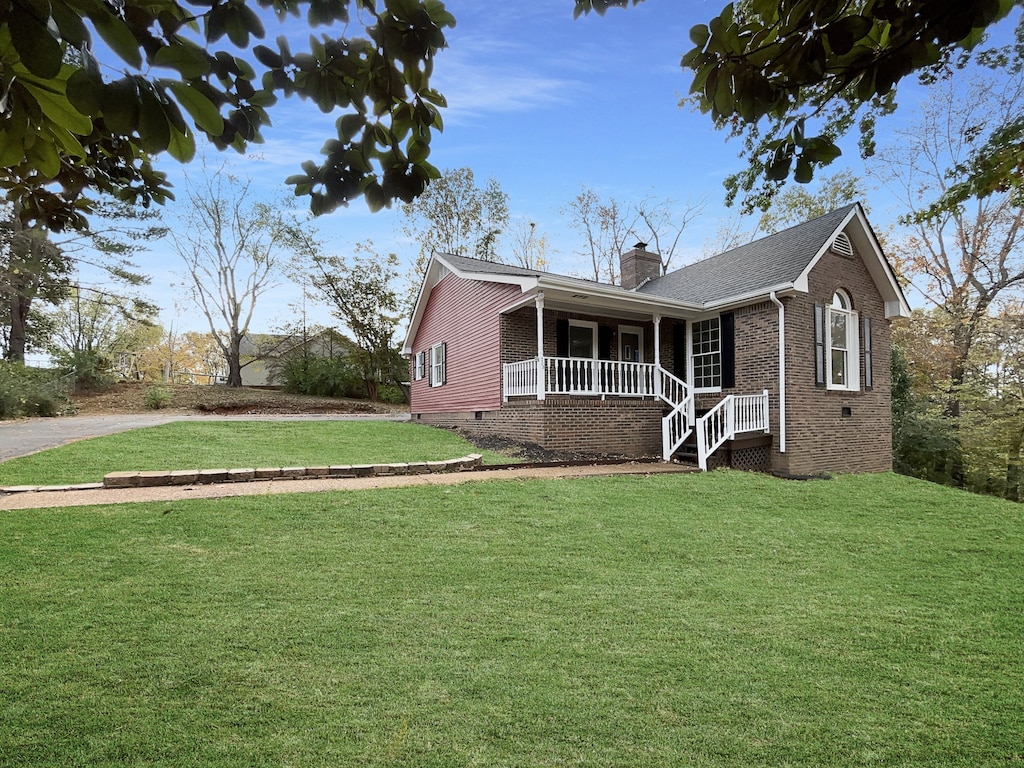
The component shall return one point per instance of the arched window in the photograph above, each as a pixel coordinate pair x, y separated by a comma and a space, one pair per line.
842, 370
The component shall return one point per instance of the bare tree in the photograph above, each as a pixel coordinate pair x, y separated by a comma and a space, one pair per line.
528, 249
233, 248
606, 226
663, 223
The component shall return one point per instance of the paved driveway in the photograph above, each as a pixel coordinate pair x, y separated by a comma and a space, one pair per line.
23, 436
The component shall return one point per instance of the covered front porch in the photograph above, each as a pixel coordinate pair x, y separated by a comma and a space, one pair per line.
613, 353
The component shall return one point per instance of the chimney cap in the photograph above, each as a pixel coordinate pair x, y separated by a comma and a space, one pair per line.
640, 246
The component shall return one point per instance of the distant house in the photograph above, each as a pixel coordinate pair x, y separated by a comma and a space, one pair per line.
263, 354
773, 355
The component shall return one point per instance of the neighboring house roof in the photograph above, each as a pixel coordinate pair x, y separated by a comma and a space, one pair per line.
779, 263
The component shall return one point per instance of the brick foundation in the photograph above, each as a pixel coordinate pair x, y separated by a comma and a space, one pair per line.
590, 426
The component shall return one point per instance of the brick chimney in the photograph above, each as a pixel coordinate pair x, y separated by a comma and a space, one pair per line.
638, 266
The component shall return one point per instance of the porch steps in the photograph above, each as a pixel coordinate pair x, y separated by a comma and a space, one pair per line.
741, 452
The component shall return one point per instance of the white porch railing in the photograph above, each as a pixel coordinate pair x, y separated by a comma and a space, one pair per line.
732, 415
519, 378
585, 376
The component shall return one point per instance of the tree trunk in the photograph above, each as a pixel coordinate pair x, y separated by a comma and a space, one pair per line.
19, 307
234, 361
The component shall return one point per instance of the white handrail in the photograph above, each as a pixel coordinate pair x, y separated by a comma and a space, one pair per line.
733, 414
677, 424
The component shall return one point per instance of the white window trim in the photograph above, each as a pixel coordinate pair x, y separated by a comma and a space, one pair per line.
690, 370
438, 364
631, 329
852, 345
592, 325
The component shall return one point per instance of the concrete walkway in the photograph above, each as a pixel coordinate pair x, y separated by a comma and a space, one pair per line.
21, 437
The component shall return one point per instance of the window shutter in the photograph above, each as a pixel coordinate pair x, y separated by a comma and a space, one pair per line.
444, 361
604, 342
727, 326
561, 337
869, 373
429, 355
819, 345
679, 350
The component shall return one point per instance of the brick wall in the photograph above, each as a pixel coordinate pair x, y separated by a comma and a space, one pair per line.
590, 426
819, 437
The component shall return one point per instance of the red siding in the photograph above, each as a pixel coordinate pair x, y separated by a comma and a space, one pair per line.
465, 315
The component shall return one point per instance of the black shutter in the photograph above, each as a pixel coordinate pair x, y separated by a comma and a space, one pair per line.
604, 342
819, 345
561, 338
444, 362
727, 326
679, 350
869, 373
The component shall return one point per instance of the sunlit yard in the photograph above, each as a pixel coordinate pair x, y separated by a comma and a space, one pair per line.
708, 620
227, 444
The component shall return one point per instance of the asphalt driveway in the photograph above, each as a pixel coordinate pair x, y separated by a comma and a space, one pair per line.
20, 437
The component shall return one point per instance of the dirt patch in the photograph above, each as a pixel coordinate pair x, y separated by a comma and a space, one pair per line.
131, 397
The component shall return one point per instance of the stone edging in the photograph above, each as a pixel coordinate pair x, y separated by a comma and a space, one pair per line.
208, 476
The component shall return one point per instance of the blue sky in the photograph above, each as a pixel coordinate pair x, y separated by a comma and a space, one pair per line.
542, 103
537, 100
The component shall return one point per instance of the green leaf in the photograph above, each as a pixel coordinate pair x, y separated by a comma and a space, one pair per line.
182, 146
120, 102
154, 132
267, 57
40, 52
804, 171
185, 57
84, 91
118, 36
55, 105
200, 108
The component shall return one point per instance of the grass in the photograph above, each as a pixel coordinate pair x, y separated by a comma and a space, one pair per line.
228, 444
717, 620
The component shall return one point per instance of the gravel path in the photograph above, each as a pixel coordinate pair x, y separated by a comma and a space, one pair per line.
45, 499
21, 437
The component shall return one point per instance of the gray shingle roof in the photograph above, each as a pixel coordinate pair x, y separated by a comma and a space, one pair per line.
773, 260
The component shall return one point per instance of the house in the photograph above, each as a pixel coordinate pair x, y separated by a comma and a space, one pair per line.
773, 355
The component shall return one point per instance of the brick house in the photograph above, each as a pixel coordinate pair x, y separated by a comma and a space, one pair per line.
773, 355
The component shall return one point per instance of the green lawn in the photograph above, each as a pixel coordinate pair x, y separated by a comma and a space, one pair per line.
725, 619
229, 444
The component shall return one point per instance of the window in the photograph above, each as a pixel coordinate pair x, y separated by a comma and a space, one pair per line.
419, 366
842, 358
437, 364
582, 339
706, 353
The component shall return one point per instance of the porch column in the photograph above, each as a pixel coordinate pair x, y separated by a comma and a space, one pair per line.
657, 355
541, 384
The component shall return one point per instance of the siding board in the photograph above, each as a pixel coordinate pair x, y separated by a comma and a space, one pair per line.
465, 314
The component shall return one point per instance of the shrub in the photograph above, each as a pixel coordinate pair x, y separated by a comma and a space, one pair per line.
323, 376
391, 393
157, 398
28, 391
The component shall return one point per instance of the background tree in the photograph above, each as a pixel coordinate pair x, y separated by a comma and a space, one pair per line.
661, 224
966, 258
68, 127
32, 268
605, 227
528, 249
360, 291
233, 248
90, 329
456, 216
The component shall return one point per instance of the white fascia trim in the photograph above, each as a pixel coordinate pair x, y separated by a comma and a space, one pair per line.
645, 301
801, 283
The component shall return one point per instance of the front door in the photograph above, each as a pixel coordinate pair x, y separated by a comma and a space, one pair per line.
631, 344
